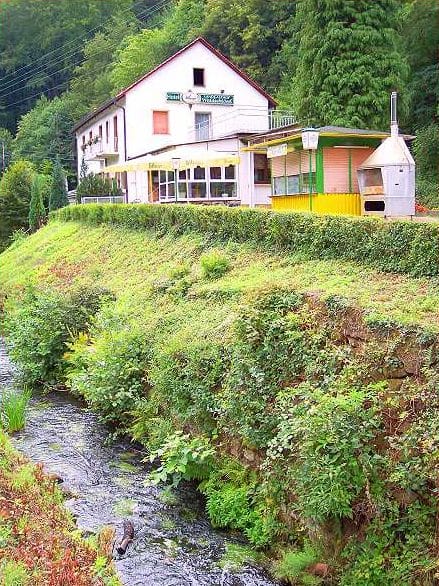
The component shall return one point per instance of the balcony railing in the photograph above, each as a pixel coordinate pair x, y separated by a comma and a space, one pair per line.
102, 149
241, 120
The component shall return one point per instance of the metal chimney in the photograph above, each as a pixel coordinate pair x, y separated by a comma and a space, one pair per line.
394, 130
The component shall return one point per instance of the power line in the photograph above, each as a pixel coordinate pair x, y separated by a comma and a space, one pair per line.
41, 69
82, 37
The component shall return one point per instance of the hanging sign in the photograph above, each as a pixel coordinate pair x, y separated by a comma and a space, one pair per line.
280, 150
217, 99
173, 97
191, 98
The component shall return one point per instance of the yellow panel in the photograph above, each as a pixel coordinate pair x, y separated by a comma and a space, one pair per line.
339, 204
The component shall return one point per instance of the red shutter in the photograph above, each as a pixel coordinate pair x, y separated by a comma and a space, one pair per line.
160, 122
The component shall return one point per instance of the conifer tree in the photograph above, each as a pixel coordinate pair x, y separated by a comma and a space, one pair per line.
37, 212
348, 62
58, 194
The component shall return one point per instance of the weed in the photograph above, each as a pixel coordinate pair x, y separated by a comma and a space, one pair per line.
214, 265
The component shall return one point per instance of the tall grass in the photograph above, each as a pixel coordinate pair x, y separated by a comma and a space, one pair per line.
13, 410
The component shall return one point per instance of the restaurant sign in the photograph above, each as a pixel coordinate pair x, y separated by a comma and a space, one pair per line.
280, 150
192, 98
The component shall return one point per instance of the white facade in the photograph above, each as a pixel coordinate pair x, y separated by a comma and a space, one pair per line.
196, 99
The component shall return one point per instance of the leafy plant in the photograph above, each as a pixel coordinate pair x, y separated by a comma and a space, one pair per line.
183, 458
13, 410
39, 327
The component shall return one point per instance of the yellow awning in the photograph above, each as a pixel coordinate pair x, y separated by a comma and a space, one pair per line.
187, 160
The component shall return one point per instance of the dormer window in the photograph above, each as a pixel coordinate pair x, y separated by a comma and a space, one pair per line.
198, 77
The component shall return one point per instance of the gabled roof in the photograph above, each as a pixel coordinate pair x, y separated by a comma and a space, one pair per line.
202, 40
218, 54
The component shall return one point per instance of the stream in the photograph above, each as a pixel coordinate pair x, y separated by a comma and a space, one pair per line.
174, 543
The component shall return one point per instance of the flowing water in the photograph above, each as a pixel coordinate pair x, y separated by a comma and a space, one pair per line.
174, 544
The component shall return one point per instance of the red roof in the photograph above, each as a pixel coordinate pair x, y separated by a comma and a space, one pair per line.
218, 54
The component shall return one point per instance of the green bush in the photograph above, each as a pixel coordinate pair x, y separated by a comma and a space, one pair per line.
111, 373
401, 246
39, 325
183, 457
214, 265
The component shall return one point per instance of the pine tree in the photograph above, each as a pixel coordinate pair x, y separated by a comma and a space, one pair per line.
348, 62
37, 212
58, 195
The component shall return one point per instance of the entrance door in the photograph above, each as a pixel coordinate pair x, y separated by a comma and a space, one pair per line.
203, 124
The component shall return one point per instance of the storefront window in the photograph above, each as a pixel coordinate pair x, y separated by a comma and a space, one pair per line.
199, 184
262, 169
293, 184
197, 190
222, 189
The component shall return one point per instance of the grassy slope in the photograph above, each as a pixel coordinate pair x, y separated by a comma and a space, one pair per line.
130, 262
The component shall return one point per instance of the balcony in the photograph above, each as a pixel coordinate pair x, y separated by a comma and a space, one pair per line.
101, 150
240, 121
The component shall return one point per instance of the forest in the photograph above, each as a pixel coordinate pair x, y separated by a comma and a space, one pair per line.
329, 61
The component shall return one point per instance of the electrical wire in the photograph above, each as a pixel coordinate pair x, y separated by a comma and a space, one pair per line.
84, 36
43, 68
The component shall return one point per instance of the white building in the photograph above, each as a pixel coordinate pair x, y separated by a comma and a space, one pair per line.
184, 122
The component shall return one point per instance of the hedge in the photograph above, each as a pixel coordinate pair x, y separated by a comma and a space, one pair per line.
394, 246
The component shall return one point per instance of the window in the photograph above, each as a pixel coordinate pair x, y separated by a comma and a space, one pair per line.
293, 184
215, 172
203, 123
90, 135
262, 170
100, 131
200, 173
107, 131
83, 139
160, 122
116, 135
199, 183
230, 172
198, 76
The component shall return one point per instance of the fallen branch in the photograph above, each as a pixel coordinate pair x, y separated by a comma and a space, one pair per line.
128, 536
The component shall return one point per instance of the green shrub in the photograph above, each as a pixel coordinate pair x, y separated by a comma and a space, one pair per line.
111, 373
398, 548
192, 373
268, 351
39, 325
401, 246
13, 410
183, 457
214, 265
324, 447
